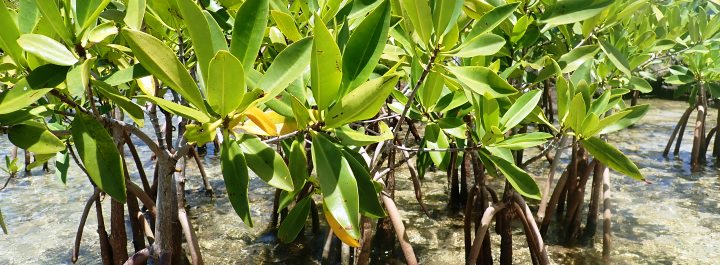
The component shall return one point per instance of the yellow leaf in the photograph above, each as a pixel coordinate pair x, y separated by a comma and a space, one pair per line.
261, 120
339, 231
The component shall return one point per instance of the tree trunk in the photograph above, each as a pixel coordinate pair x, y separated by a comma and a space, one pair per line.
699, 132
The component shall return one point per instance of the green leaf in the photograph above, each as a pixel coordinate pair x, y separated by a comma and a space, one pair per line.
62, 164
199, 32
288, 66
348, 136
326, 67
611, 156
616, 57
134, 13
88, 11
577, 112
235, 175
297, 164
445, 16
520, 109
47, 49
51, 12
572, 60
492, 19
302, 117
9, 35
365, 46
133, 110
482, 80
202, 133
564, 94
101, 32
248, 31
369, 203
436, 139
31, 88
217, 36
524, 141
520, 28
431, 89
640, 84
634, 115
177, 109
286, 24
265, 162
482, 45
519, 179
453, 126
571, 11
128, 74
35, 137
337, 184
418, 12
362, 103
295, 221
163, 63
225, 83
99, 155
28, 15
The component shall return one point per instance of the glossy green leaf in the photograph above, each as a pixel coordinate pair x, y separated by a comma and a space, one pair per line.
453, 126
236, 177
616, 57
177, 109
99, 155
133, 110
35, 137
88, 11
640, 84
431, 89
571, 11
612, 157
295, 221
635, 114
492, 19
301, 114
250, 22
519, 179
337, 184
265, 162
524, 141
202, 133
368, 196
482, 45
482, 80
365, 46
520, 109
288, 66
520, 28
445, 15
101, 32
134, 13
47, 49
436, 139
418, 12
163, 63
286, 24
62, 164
217, 36
28, 15
9, 35
297, 164
128, 74
362, 103
31, 88
348, 136
51, 12
577, 57
326, 67
564, 96
225, 83
199, 32
577, 112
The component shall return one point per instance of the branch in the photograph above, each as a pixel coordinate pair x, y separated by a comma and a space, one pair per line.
411, 97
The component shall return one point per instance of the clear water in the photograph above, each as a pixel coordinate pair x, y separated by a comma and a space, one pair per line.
674, 220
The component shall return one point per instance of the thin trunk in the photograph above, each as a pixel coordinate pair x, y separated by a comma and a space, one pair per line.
607, 215
699, 132
551, 176
452, 173
166, 223
681, 124
467, 220
83, 219
481, 231
201, 167
678, 142
363, 256
106, 251
184, 220
559, 188
593, 211
118, 236
504, 228
138, 163
399, 227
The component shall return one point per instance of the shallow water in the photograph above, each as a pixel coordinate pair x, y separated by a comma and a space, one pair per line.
674, 220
